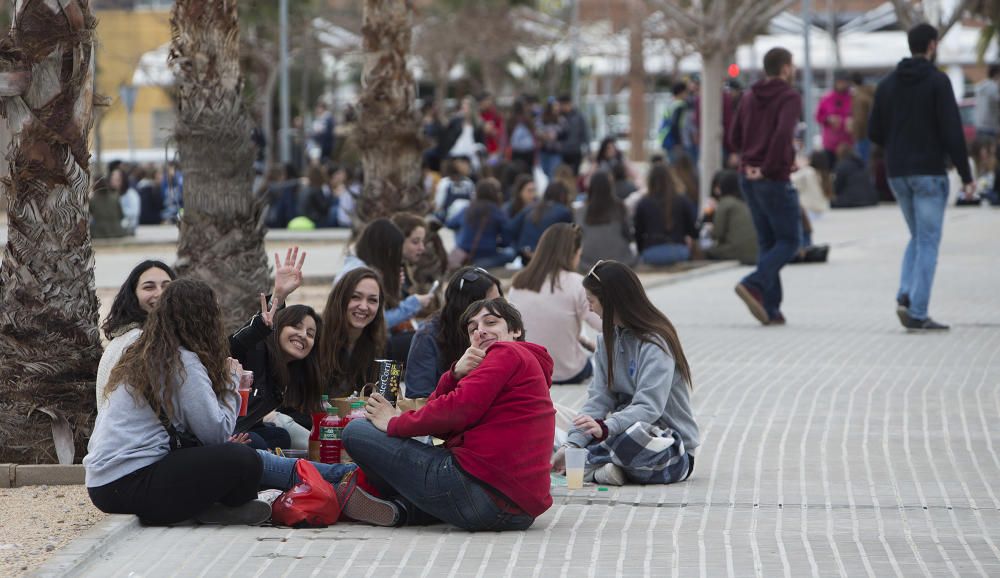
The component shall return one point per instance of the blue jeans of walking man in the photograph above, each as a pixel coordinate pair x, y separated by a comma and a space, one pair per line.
922, 199
774, 207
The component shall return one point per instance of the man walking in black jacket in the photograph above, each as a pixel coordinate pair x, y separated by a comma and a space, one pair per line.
915, 118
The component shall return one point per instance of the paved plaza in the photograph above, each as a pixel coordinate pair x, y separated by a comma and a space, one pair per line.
839, 444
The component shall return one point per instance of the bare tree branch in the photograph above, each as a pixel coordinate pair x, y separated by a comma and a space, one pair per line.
682, 16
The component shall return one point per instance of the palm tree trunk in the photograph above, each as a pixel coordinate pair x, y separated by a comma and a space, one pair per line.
49, 345
388, 128
222, 230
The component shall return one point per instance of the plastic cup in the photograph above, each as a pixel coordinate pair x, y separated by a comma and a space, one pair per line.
246, 379
244, 400
576, 459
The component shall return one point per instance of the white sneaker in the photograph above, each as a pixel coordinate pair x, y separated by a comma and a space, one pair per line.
610, 475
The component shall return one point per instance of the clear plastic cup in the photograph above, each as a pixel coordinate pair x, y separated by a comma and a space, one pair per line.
576, 459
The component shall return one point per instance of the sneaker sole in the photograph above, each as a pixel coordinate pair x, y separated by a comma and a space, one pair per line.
756, 309
606, 476
252, 513
364, 507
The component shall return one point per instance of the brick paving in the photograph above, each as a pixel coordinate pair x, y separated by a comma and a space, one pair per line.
836, 445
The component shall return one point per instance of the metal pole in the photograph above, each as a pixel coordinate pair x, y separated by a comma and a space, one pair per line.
575, 41
285, 133
807, 76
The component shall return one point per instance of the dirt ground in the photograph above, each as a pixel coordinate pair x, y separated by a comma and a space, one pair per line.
36, 521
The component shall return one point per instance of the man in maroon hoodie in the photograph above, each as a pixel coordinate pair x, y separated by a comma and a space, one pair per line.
493, 411
762, 134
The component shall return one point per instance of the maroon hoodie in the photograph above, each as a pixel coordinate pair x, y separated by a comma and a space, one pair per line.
764, 129
498, 421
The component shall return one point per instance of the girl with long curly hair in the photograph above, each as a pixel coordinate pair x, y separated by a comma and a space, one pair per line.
173, 386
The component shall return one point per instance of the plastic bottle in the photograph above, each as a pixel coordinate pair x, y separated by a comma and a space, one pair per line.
314, 434
357, 412
330, 429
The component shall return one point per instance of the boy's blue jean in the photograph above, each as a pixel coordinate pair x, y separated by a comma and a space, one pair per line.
774, 206
427, 481
922, 199
279, 472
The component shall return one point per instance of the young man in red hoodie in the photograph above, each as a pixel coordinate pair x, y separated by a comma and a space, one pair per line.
763, 134
495, 414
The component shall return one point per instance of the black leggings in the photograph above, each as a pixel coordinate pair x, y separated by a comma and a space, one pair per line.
183, 484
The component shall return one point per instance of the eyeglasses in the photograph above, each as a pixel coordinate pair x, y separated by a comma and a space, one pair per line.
593, 270
472, 276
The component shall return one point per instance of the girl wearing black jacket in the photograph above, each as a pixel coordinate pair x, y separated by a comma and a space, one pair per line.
278, 345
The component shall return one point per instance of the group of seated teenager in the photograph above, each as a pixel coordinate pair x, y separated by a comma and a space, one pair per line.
168, 444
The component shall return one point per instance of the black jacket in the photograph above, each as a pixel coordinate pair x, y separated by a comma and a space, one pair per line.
651, 226
853, 185
915, 118
249, 347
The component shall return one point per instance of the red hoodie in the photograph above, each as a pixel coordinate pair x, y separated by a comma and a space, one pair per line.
498, 422
764, 129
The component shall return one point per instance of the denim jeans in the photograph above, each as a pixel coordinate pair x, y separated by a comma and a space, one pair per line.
279, 472
922, 200
774, 206
427, 481
666, 254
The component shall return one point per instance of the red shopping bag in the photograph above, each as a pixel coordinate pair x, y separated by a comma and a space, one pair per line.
312, 503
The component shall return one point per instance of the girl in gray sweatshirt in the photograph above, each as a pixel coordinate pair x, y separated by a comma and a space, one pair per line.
637, 423
175, 382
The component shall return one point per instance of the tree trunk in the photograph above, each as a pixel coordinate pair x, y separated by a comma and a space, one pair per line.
49, 345
388, 128
222, 230
637, 83
710, 127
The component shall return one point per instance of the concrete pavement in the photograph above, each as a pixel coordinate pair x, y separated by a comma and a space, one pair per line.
839, 444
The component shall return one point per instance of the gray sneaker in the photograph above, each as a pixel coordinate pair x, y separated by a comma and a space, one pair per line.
361, 506
610, 475
252, 513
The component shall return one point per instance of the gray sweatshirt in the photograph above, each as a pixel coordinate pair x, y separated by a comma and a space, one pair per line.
646, 389
128, 436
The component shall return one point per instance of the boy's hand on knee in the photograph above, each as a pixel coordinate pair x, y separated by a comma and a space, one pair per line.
379, 411
558, 461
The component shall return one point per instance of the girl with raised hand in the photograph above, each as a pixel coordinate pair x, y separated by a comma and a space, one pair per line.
278, 345
175, 383
550, 296
353, 332
139, 295
441, 340
637, 423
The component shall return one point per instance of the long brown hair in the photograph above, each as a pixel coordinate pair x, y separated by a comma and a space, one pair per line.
342, 366
380, 246
621, 295
603, 205
302, 393
188, 316
660, 187
554, 253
